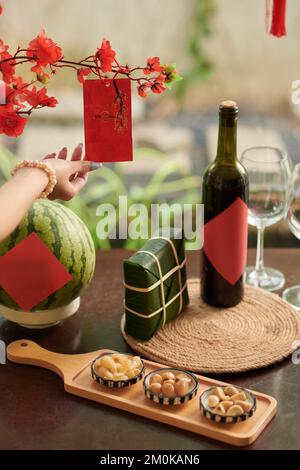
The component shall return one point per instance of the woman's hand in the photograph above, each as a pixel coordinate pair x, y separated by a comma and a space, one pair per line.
71, 174
27, 184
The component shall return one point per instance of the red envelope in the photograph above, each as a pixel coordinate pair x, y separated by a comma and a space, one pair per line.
225, 241
107, 120
30, 272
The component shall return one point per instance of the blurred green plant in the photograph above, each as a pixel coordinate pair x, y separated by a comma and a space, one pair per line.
201, 29
7, 161
172, 183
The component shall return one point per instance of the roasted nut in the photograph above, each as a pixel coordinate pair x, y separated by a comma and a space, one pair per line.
132, 373
220, 410
117, 357
167, 390
137, 361
240, 396
170, 381
155, 387
183, 377
220, 393
228, 401
104, 373
123, 367
168, 376
156, 378
230, 390
246, 405
212, 401
235, 410
118, 366
120, 377
181, 388
108, 362
227, 404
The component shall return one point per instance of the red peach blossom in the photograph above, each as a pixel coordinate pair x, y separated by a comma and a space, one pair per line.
3, 47
49, 101
43, 51
11, 123
6, 108
153, 65
8, 67
36, 98
142, 90
158, 86
82, 74
106, 55
19, 83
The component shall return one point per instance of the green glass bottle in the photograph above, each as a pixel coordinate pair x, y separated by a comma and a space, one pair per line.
225, 197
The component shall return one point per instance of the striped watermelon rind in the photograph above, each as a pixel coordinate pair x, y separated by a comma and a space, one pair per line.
69, 240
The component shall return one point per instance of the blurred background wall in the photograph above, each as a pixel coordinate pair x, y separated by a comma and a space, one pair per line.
247, 63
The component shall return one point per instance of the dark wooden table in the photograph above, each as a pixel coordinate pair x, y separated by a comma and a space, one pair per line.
36, 412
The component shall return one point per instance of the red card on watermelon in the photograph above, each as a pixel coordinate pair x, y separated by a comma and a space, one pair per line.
30, 272
107, 120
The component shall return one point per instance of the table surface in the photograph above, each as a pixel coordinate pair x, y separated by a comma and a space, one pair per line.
36, 412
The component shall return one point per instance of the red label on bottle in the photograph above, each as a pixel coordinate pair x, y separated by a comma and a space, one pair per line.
225, 241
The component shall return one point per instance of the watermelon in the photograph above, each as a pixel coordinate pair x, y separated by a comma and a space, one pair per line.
69, 240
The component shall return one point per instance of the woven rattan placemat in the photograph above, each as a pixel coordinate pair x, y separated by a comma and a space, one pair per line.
254, 334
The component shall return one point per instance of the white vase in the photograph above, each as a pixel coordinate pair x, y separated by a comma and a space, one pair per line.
41, 318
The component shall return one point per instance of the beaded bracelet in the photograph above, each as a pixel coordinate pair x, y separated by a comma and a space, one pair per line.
42, 166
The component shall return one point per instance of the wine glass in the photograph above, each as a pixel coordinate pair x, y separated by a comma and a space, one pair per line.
292, 294
269, 174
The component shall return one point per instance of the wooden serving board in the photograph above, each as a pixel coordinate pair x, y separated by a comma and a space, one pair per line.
76, 374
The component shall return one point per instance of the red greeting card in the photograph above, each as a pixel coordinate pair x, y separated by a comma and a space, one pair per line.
107, 120
30, 272
225, 241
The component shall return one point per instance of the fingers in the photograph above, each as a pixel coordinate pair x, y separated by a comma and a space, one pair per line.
63, 153
50, 155
79, 182
71, 188
77, 153
83, 166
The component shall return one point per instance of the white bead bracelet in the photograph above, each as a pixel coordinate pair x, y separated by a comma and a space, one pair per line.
42, 166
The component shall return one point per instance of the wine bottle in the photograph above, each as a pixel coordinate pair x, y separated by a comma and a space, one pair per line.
225, 196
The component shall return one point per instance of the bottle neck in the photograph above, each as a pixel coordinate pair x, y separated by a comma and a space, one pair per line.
226, 151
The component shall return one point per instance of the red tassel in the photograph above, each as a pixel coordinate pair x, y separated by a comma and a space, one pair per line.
278, 18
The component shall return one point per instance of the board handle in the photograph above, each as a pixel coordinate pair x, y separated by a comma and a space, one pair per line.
25, 351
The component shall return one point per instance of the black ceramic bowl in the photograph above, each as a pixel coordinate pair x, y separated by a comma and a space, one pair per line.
218, 418
163, 400
116, 383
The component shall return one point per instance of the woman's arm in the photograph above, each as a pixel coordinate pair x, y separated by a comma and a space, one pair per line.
17, 196
19, 193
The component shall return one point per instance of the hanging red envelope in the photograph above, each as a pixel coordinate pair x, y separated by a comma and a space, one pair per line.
107, 120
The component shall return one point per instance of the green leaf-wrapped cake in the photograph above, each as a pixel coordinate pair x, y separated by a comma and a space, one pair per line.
155, 284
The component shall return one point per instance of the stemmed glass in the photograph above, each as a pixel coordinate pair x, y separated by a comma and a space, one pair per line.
292, 294
269, 173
